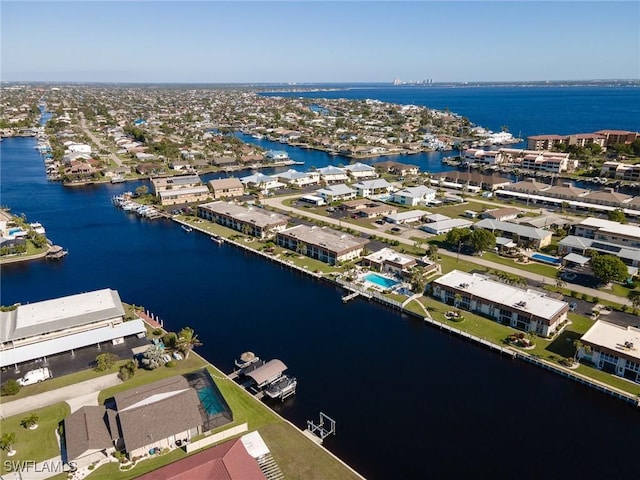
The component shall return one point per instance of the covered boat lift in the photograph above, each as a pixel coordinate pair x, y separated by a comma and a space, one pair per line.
267, 373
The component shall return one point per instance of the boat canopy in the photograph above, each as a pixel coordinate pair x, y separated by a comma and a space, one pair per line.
267, 373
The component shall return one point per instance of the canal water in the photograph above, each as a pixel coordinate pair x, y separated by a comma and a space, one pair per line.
410, 401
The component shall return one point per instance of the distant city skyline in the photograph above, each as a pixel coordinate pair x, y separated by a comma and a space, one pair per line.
318, 42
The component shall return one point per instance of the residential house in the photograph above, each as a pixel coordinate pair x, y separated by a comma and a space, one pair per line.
261, 182
335, 193
443, 226
333, 174
527, 310
388, 260
358, 171
413, 196
502, 214
410, 216
367, 188
523, 236
397, 168
301, 179
609, 231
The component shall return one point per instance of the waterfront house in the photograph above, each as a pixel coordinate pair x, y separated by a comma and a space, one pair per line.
249, 220
413, 196
322, 243
621, 171
39, 330
153, 417
490, 157
566, 191
358, 171
336, 193
484, 182
367, 188
276, 155
609, 231
527, 310
301, 179
333, 174
614, 349
523, 236
261, 182
388, 260
227, 461
226, 188
397, 168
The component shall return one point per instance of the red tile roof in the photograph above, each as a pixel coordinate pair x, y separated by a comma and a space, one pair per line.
228, 461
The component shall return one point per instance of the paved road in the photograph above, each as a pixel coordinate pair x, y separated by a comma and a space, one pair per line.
85, 129
78, 395
277, 202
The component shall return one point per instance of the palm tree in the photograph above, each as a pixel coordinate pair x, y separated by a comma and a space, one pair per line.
634, 298
6, 443
30, 421
187, 340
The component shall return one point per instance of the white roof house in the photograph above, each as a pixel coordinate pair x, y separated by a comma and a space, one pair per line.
406, 217
298, 178
361, 170
53, 326
367, 188
333, 193
444, 226
333, 174
261, 181
413, 196
614, 339
516, 305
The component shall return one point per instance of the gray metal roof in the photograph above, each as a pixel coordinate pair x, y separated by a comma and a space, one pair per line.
59, 314
521, 230
268, 372
66, 343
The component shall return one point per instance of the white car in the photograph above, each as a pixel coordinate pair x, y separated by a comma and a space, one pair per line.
35, 376
177, 355
166, 358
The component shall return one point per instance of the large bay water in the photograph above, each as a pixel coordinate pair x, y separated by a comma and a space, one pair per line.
410, 401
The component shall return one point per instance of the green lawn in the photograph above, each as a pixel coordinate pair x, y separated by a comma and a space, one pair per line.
552, 350
297, 456
39, 444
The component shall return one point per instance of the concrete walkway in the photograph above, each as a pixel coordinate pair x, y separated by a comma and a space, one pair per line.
78, 395
277, 202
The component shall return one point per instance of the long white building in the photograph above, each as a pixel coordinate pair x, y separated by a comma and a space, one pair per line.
527, 310
41, 329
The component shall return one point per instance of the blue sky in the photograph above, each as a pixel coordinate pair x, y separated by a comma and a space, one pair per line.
220, 42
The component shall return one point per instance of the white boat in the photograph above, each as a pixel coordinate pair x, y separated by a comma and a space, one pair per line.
186, 228
216, 239
282, 388
257, 136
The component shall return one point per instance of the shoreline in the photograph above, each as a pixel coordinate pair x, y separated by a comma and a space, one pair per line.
493, 347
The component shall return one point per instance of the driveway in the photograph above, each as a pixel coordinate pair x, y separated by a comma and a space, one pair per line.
77, 395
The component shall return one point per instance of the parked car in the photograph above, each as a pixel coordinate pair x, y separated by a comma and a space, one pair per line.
35, 376
396, 229
177, 355
166, 358
380, 222
331, 209
573, 306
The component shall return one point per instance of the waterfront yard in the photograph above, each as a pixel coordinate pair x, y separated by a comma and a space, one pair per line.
297, 456
553, 350
35, 445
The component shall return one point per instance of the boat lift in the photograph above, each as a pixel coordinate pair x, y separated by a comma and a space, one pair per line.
320, 431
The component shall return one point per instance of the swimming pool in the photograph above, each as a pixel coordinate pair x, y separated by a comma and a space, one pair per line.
546, 259
380, 281
214, 409
210, 401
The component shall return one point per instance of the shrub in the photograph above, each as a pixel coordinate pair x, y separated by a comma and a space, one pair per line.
573, 293
595, 300
170, 363
170, 339
584, 296
624, 308
157, 332
105, 361
10, 387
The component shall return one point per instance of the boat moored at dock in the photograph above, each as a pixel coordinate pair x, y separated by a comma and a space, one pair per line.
282, 388
186, 228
